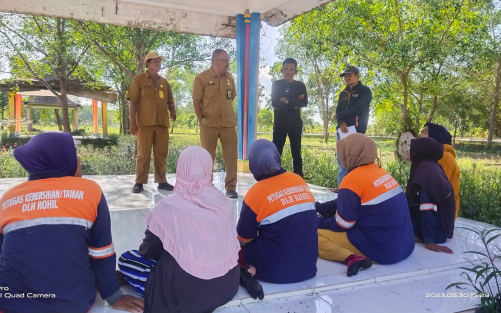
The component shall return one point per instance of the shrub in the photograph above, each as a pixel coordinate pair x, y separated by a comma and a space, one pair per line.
319, 167
399, 170
484, 275
100, 143
79, 132
10, 142
120, 159
480, 192
480, 182
9, 167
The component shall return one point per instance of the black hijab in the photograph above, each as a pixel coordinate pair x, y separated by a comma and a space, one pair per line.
427, 174
439, 133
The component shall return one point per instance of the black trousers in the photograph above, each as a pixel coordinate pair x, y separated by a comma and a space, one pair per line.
280, 134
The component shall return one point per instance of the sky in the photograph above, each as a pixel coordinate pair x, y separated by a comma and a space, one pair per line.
267, 57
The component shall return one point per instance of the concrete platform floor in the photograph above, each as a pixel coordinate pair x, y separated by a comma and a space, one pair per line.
416, 284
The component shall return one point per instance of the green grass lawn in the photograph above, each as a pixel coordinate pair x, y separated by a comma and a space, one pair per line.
480, 168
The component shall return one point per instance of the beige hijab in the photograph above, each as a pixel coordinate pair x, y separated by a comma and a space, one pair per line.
355, 150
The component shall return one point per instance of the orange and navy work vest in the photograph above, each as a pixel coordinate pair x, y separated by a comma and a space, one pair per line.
53, 201
278, 215
373, 210
55, 239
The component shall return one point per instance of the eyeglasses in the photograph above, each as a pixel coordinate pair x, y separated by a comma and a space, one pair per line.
223, 60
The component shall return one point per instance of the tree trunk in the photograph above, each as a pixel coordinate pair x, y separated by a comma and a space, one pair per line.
323, 91
3, 116
435, 96
420, 108
58, 120
455, 132
124, 106
141, 52
433, 108
326, 130
62, 67
64, 104
405, 99
495, 103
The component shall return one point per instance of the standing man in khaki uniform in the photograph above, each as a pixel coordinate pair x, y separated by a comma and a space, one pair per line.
150, 102
213, 94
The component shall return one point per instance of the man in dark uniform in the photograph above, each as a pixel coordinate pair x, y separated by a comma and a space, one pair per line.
288, 96
352, 107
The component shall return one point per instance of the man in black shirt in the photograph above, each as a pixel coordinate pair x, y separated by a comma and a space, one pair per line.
352, 107
288, 96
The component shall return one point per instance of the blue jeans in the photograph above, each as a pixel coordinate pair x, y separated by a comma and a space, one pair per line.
341, 170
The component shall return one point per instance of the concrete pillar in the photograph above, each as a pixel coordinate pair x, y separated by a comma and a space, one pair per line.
248, 28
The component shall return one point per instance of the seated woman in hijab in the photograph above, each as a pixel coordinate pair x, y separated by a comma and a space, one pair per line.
430, 195
448, 160
277, 225
370, 219
55, 235
188, 259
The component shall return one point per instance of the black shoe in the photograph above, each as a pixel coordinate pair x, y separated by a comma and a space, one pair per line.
356, 263
165, 186
250, 282
138, 188
121, 279
232, 194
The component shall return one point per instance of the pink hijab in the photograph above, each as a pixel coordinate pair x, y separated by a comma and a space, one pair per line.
196, 223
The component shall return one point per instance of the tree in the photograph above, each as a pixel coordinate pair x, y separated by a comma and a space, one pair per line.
494, 51
265, 119
414, 41
308, 39
121, 51
45, 48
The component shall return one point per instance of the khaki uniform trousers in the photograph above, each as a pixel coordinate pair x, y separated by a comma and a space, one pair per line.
148, 137
335, 246
228, 138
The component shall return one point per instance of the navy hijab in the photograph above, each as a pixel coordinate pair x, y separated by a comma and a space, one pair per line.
439, 133
49, 154
264, 159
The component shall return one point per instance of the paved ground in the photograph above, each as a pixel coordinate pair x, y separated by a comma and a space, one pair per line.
416, 284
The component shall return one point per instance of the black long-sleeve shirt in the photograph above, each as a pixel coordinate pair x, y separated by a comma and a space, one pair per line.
288, 114
353, 107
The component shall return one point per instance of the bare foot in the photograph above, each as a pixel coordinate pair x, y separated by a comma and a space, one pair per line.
252, 270
437, 248
129, 303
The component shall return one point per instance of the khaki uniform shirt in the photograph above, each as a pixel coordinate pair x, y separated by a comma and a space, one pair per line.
216, 95
152, 99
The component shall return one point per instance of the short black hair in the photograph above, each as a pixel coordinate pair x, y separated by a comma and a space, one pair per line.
289, 61
216, 53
